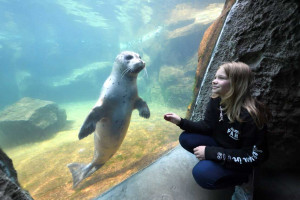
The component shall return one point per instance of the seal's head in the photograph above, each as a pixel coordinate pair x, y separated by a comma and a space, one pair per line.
129, 63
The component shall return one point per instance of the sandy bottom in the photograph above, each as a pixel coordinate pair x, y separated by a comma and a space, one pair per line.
42, 167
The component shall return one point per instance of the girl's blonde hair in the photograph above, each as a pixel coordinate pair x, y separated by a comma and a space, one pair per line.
238, 96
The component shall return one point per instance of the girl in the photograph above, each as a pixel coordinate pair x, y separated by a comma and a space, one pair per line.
230, 141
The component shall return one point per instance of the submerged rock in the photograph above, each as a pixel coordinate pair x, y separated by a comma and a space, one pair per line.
9, 185
176, 85
30, 120
176, 82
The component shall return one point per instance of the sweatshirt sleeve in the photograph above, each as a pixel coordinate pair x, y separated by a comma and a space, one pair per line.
202, 126
253, 149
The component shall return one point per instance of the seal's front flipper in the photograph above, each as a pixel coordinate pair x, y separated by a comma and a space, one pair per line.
142, 108
89, 124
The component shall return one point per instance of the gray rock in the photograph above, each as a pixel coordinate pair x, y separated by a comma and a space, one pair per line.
30, 120
9, 185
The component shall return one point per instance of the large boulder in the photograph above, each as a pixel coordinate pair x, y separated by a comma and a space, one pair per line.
30, 120
9, 185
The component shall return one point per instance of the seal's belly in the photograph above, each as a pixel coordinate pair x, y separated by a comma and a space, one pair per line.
109, 135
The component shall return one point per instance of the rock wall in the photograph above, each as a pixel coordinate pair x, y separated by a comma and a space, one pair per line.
266, 36
205, 51
9, 185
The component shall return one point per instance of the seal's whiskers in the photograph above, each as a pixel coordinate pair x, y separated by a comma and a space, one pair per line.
145, 72
125, 72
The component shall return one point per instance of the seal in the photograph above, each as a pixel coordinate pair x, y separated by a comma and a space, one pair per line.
110, 117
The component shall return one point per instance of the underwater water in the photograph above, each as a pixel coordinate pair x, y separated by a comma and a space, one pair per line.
63, 51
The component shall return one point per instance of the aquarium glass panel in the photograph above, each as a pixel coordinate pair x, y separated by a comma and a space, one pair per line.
55, 58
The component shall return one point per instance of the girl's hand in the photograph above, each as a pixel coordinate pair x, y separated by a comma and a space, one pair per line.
172, 117
200, 152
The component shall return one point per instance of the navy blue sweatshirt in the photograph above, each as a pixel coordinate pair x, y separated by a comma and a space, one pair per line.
241, 145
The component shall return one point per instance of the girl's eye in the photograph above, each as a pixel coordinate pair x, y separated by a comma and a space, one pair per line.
222, 78
128, 57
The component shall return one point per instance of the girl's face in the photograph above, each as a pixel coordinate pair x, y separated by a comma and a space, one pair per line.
221, 83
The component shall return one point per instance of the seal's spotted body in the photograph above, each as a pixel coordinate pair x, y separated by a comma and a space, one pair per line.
111, 115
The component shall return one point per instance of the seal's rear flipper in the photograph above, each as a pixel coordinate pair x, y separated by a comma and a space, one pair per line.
89, 124
77, 172
80, 171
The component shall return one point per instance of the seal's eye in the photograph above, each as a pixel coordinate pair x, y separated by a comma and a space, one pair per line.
128, 57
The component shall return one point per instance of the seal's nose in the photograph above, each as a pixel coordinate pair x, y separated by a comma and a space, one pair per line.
142, 63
